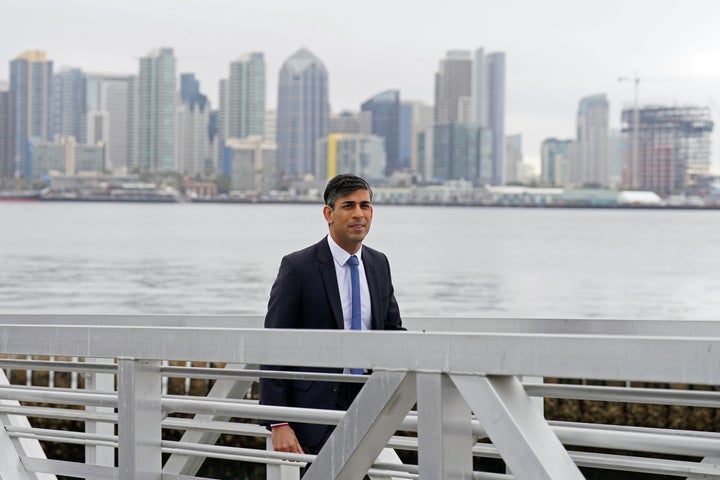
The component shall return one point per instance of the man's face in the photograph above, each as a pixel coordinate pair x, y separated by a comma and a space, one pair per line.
350, 220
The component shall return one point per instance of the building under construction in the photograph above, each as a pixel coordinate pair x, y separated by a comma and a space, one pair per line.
667, 146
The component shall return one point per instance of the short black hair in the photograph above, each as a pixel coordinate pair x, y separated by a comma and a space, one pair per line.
344, 184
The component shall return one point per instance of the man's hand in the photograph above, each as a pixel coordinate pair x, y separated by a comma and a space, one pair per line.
284, 439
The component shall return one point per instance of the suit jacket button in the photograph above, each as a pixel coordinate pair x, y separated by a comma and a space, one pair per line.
335, 388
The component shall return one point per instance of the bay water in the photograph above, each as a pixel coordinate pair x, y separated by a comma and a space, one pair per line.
125, 258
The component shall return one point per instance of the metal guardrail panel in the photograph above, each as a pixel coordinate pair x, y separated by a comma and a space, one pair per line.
455, 360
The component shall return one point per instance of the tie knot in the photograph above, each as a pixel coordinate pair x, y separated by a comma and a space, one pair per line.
353, 261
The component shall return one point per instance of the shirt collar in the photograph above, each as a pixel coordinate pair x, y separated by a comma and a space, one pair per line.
339, 254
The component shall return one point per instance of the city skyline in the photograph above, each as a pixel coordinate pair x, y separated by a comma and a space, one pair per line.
557, 52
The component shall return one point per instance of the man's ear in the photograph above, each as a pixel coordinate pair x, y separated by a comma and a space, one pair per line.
327, 213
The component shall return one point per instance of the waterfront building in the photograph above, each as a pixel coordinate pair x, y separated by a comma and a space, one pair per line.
386, 123
242, 110
108, 99
68, 104
250, 164
7, 144
351, 122
513, 159
618, 147
453, 87
65, 156
673, 146
190, 90
194, 149
554, 162
302, 115
470, 88
496, 113
462, 151
589, 158
359, 154
270, 126
30, 81
153, 113
421, 118
488, 105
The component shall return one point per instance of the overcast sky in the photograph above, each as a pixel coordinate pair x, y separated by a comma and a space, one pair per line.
557, 51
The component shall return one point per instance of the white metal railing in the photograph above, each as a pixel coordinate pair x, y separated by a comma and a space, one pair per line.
463, 375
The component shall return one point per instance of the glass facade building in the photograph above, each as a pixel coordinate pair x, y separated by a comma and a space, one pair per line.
303, 114
385, 108
30, 81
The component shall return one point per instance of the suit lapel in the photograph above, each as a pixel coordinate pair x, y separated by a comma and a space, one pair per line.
329, 277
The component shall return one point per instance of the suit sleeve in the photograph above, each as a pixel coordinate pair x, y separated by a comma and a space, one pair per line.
392, 320
283, 310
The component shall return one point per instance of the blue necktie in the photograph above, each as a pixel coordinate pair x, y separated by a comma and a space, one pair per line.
355, 321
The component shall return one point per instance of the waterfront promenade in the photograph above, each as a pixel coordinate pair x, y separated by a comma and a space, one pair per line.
448, 393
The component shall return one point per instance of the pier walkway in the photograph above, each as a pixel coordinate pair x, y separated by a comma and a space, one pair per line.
447, 393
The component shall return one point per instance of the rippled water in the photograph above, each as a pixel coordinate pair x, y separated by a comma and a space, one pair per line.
484, 262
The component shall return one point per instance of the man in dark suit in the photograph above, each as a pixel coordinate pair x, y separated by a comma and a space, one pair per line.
313, 290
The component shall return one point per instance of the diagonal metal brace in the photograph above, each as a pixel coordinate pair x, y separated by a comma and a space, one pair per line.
366, 428
521, 434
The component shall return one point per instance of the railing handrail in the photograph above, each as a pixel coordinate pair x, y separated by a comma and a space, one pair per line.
449, 359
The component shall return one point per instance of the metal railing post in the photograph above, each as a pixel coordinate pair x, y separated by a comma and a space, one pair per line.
104, 382
445, 438
139, 417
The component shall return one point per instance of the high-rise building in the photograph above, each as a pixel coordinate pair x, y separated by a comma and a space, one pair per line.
385, 110
153, 113
7, 144
453, 88
356, 153
673, 146
589, 159
302, 115
421, 118
30, 81
190, 90
107, 102
470, 89
351, 122
461, 151
250, 164
554, 162
194, 146
68, 105
242, 109
513, 159
496, 113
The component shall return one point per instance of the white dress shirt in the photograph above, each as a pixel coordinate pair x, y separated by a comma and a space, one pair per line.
342, 272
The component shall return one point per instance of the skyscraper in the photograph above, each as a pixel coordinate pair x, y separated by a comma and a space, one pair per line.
385, 109
68, 105
496, 113
590, 162
470, 89
302, 115
30, 79
488, 105
421, 119
453, 87
554, 158
244, 110
673, 147
7, 145
108, 98
154, 113
194, 149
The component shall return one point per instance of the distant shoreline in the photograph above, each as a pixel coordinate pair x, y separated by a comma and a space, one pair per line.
170, 199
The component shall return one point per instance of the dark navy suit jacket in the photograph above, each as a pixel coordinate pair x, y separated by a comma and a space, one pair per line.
305, 295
